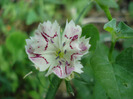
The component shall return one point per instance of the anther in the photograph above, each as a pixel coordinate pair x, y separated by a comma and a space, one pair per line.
57, 57
60, 63
64, 44
59, 52
65, 52
62, 60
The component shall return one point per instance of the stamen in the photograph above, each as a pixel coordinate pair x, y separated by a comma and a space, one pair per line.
62, 60
59, 52
65, 52
60, 63
64, 44
57, 57
27, 74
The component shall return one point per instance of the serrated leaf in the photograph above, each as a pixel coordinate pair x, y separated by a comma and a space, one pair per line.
104, 73
91, 31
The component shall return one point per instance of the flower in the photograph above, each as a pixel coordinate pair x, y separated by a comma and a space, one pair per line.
58, 53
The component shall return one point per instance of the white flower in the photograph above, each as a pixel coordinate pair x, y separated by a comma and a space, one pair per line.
59, 54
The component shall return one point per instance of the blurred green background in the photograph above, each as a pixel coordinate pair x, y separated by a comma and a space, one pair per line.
19, 19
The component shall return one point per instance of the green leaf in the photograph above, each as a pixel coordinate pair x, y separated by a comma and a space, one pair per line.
91, 31
31, 17
99, 92
15, 44
125, 81
6, 85
128, 43
130, 9
125, 59
83, 91
14, 81
104, 73
69, 87
87, 75
52, 91
120, 31
124, 31
110, 26
4, 66
124, 72
109, 3
34, 94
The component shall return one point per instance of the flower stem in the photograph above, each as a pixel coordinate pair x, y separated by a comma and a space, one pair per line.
113, 41
52, 91
111, 50
108, 14
106, 11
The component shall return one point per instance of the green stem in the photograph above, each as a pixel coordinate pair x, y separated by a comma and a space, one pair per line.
111, 50
108, 14
106, 11
69, 88
52, 91
40, 81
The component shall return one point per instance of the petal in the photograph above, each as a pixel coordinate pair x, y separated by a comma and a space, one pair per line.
39, 44
36, 44
40, 62
71, 30
68, 69
84, 45
63, 70
77, 67
51, 32
49, 29
49, 71
58, 71
81, 46
29, 49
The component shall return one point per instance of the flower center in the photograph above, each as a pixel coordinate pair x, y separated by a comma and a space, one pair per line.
59, 54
